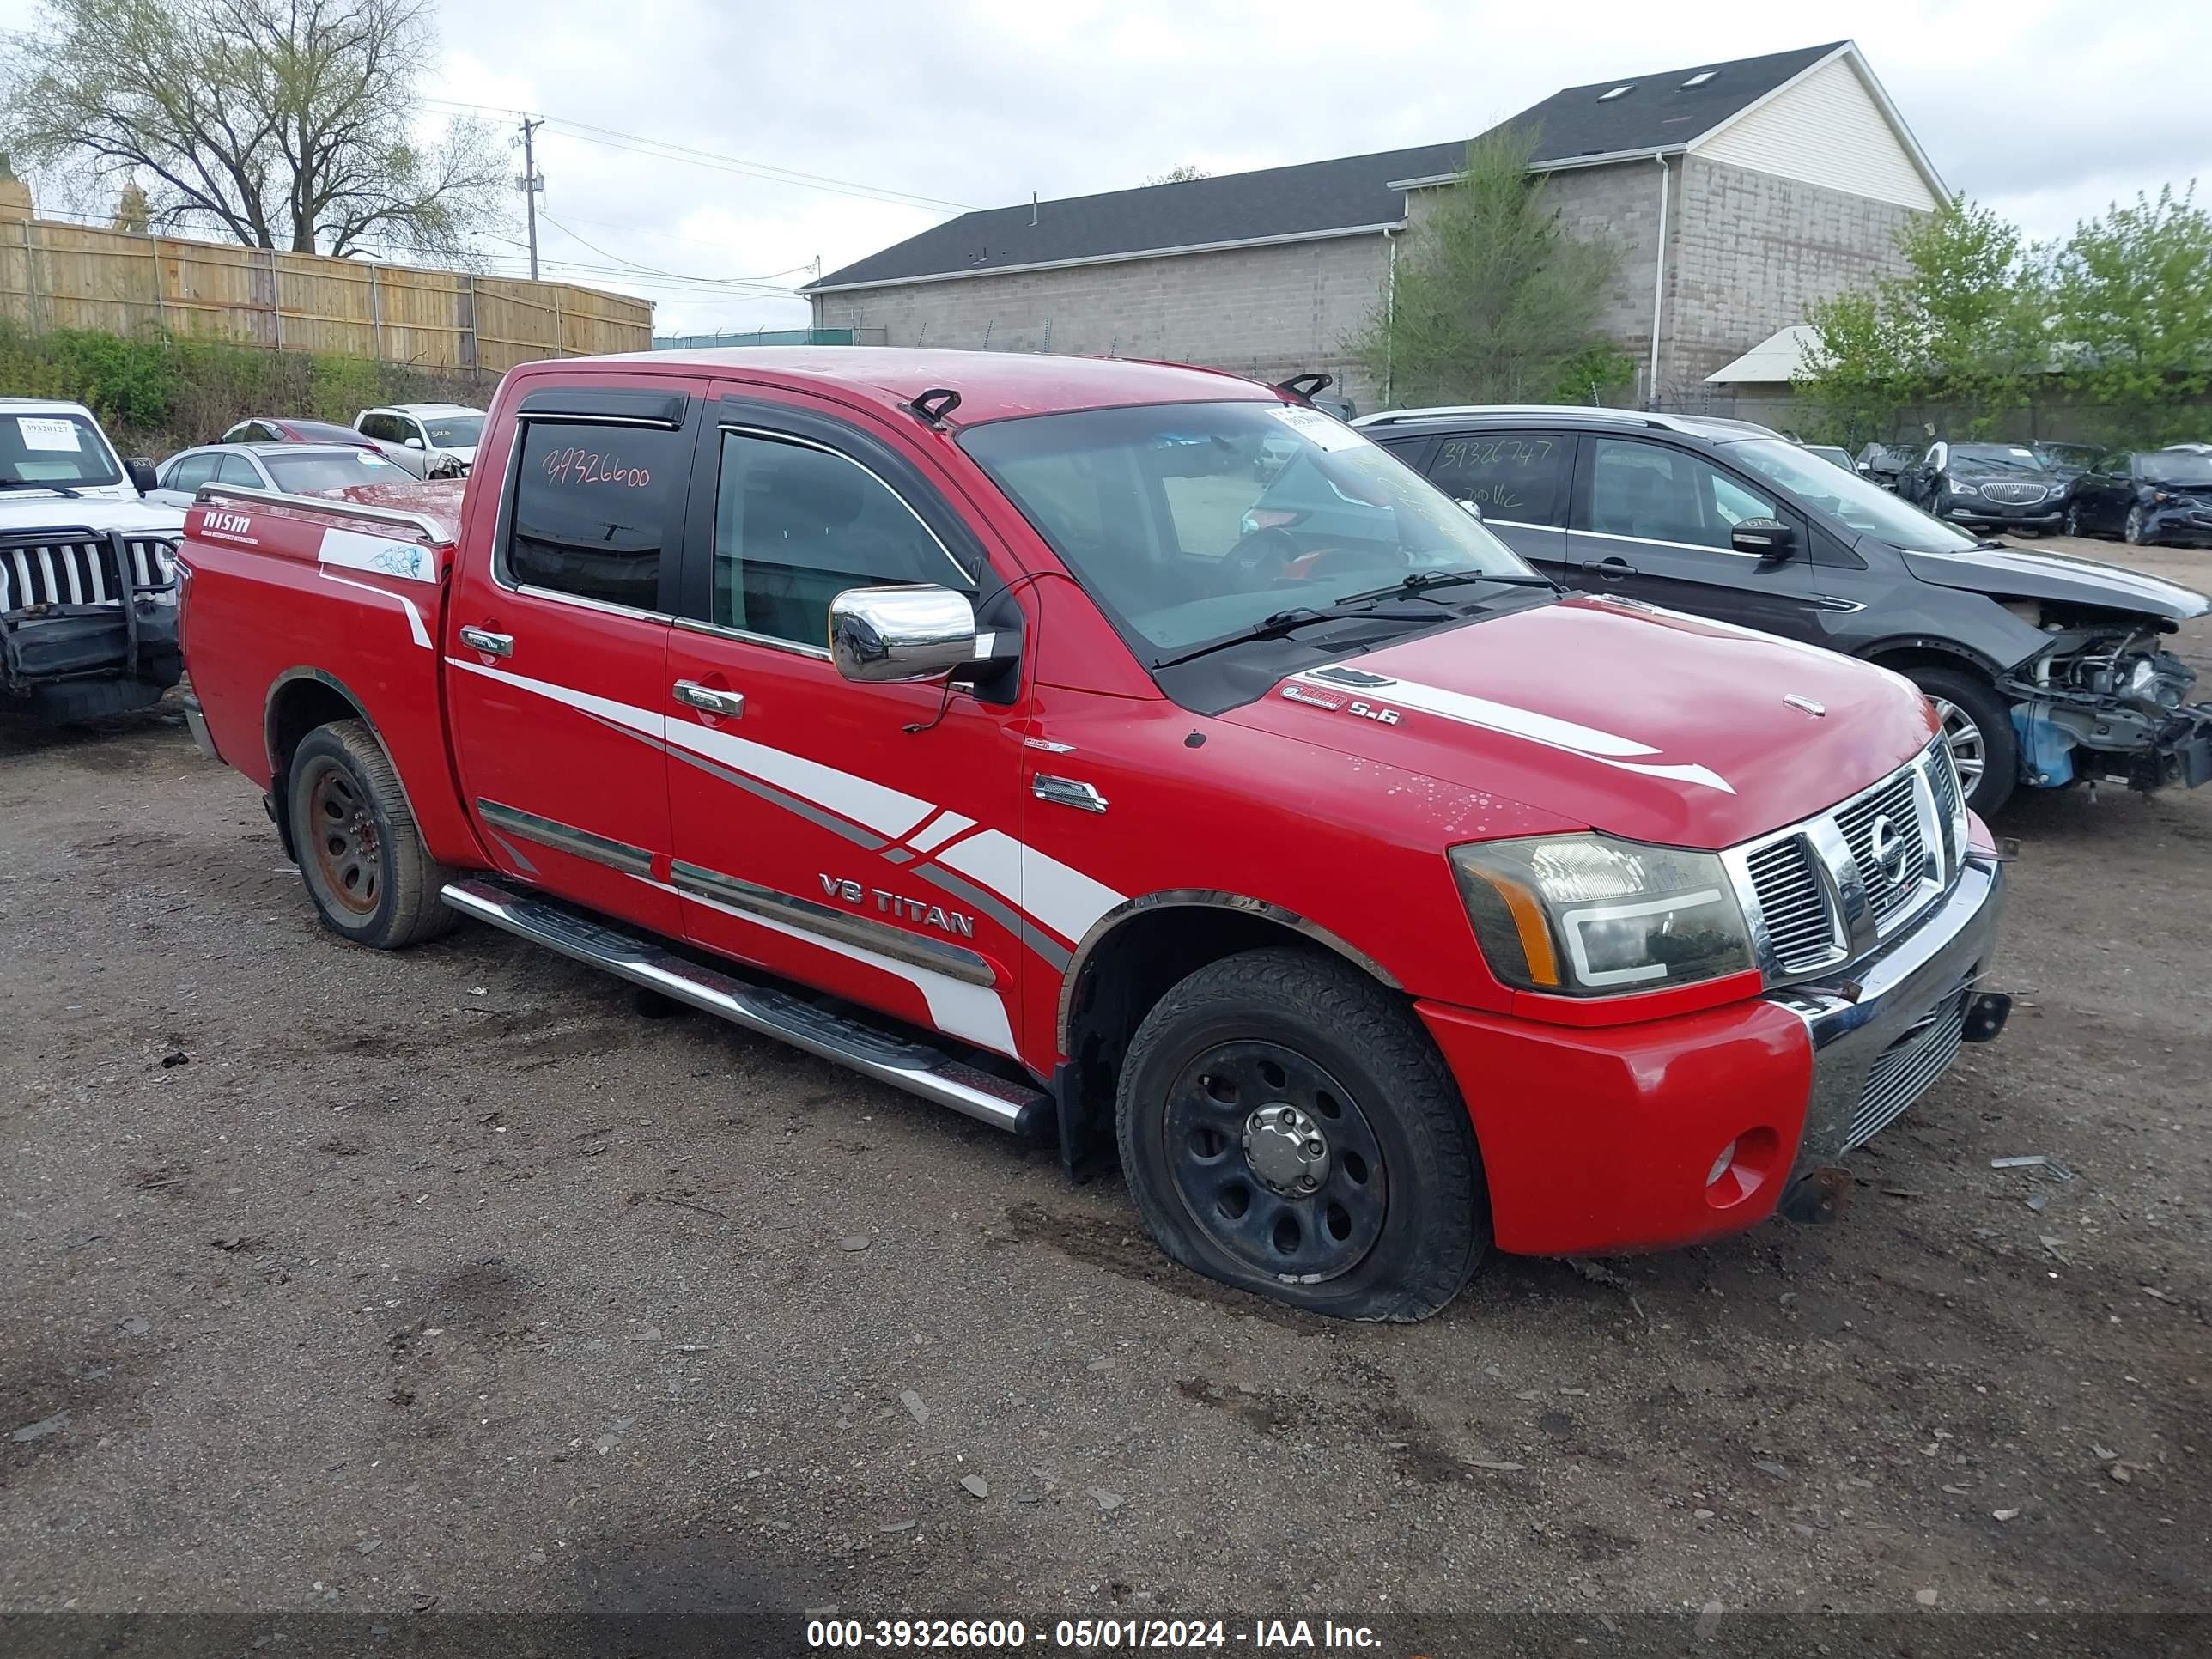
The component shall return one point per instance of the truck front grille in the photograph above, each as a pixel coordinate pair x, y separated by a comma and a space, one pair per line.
1801, 924
1907, 1067
1892, 804
77, 570
1826, 890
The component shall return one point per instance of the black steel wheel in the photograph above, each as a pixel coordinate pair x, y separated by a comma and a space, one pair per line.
1271, 1156
1287, 1126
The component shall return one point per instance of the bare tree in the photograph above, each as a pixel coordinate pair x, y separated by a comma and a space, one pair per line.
285, 124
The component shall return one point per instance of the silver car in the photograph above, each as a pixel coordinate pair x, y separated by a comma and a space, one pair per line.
295, 469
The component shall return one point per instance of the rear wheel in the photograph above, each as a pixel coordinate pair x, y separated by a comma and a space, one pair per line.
359, 853
1977, 731
1288, 1128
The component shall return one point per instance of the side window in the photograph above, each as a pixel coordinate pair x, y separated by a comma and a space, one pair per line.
795, 525
594, 505
383, 427
1515, 477
191, 471
1657, 493
237, 469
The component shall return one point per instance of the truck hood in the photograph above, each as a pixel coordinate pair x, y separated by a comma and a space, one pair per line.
1642, 722
24, 509
2014, 574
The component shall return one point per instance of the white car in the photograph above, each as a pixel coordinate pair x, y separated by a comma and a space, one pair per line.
295, 469
87, 580
434, 429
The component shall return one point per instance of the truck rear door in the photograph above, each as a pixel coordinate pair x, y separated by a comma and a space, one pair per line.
556, 646
847, 835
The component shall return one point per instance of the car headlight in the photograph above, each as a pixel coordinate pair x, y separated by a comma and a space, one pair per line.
1964, 489
1591, 915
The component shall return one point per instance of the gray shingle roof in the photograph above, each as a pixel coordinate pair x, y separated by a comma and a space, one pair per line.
1316, 198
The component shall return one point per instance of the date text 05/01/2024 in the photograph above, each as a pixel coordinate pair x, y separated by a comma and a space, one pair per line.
1091, 1635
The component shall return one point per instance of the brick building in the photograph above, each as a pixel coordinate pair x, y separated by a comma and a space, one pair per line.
1739, 192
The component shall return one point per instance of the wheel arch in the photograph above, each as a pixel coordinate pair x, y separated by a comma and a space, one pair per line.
299, 701
1905, 652
1143, 944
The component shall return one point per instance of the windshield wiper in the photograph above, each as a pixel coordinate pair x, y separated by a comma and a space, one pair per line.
1279, 625
38, 483
1420, 581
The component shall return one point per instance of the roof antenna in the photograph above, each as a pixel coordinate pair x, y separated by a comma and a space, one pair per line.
933, 405
1033, 210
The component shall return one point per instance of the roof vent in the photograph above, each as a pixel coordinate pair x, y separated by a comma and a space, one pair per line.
1618, 92
1700, 78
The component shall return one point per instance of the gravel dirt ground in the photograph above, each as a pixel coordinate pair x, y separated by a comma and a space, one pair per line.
366, 1284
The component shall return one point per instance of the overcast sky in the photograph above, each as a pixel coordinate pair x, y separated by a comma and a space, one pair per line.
2044, 109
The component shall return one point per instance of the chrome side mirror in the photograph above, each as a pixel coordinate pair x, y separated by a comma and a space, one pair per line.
912, 633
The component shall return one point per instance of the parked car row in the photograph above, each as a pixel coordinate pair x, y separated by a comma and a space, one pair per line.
2142, 497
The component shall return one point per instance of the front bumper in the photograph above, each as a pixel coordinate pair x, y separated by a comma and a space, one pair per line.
2043, 515
1601, 1139
2178, 524
73, 662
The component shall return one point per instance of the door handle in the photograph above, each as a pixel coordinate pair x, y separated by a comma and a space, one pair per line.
1066, 792
731, 705
1611, 570
491, 644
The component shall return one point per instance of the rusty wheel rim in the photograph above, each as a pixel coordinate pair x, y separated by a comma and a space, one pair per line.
344, 843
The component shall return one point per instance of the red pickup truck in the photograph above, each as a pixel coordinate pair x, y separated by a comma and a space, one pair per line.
966, 719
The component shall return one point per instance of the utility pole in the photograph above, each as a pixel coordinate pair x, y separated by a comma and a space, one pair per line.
530, 184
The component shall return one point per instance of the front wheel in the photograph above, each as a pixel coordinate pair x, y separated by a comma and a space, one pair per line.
1287, 1126
2073, 519
2134, 531
1977, 728
359, 853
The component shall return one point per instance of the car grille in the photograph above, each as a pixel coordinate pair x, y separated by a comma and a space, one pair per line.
1907, 1067
1894, 803
2015, 495
1800, 923
79, 570
1805, 882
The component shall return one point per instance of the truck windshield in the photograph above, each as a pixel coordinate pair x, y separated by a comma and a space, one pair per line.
56, 448
1847, 497
1189, 523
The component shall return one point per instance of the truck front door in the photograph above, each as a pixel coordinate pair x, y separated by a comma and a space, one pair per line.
843, 835
556, 653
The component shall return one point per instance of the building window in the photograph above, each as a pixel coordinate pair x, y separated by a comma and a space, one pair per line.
1618, 92
1700, 78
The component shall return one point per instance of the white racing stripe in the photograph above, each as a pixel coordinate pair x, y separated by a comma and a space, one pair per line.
382, 556
938, 832
974, 1013
1568, 736
624, 714
883, 809
1059, 897
415, 628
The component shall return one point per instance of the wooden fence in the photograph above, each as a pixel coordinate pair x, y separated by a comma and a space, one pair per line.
63, 275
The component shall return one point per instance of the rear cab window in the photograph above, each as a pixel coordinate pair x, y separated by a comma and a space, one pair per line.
595, 511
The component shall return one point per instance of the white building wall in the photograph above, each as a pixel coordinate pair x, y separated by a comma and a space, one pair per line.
1827, 130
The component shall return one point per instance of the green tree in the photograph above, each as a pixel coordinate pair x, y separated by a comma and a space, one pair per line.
285, 124
1182, 175
1964, 325
1494, 298
2133, 299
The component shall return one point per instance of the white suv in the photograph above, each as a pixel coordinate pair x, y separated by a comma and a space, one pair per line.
430, 429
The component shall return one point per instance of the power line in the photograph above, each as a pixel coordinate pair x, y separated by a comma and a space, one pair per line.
665, 149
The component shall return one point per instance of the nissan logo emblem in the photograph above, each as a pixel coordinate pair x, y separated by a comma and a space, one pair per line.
1887, 848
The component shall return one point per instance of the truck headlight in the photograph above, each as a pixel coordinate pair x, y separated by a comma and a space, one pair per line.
1591, 915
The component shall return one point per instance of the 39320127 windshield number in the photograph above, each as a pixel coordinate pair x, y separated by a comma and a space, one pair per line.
1368, 711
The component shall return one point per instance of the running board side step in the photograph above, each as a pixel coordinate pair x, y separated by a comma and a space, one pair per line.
913, 1067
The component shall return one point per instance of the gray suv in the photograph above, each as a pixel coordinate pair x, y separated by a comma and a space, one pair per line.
2044, 669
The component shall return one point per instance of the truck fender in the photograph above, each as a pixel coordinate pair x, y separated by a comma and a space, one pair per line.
1200, 898
282, 727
